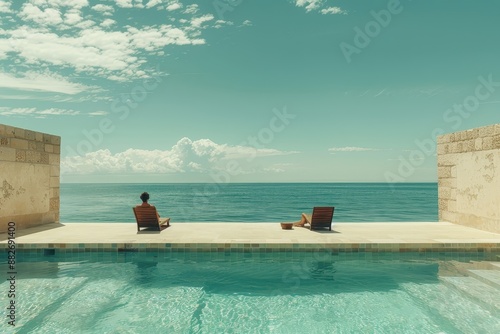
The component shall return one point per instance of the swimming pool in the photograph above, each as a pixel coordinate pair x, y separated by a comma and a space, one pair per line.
255, 293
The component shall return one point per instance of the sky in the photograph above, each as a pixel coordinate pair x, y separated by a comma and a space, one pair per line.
249, 90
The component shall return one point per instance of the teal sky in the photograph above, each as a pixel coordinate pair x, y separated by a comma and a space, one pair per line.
249, 90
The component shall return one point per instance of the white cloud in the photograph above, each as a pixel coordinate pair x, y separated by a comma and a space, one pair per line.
198, 21
138, 3
309, 4
32, 81
56, 111
113, 54
54, 13
85, 24
221, 23
58, 35
352, 149
107, 23
173, 5
185, 156
274, 170
16, 97
333, 11
48, 16
153, 3
43, 96
124, 3
247, 23
34, 112
61, 3
243, 152
104, 9
72, 18
129, 3
98, 113
313, 5
191, 9
5, 7
16, 111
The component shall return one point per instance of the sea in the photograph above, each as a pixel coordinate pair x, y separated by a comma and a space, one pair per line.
251, 202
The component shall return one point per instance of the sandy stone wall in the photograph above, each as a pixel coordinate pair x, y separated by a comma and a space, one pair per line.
469, 178
29, 177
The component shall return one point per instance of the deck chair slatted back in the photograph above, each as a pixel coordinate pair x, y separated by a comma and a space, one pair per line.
322, 217
146, 217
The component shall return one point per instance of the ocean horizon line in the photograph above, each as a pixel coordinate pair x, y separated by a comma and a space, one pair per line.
252, 202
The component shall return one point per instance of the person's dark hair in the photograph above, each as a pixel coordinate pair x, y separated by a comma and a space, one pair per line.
144, 196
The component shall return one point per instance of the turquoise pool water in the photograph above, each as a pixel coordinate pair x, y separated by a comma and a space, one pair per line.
254, 293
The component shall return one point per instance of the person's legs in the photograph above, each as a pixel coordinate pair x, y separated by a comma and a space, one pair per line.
303, 220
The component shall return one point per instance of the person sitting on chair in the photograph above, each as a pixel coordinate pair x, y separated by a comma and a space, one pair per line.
145, 198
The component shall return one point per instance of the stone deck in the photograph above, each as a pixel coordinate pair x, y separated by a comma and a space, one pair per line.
370, 237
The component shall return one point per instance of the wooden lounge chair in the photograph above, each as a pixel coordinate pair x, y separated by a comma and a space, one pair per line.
146, 216
321, 217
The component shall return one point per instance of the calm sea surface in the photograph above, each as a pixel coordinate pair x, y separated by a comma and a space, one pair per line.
251, 202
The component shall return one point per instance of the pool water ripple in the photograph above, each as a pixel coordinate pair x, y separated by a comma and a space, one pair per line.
207, 293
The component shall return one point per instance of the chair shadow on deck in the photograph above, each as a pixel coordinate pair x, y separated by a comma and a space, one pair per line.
152, 230
325, 231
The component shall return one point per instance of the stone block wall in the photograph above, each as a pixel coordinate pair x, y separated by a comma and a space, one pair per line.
29, 177
469, 178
